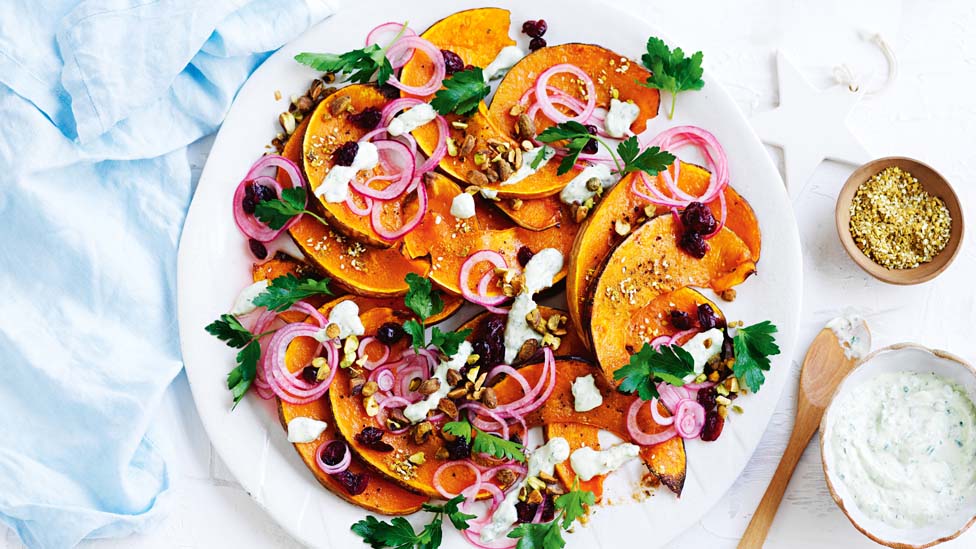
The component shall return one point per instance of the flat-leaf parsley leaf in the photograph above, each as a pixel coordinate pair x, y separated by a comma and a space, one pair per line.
753, 346
668, 363
285, 291
462, 93
671, 71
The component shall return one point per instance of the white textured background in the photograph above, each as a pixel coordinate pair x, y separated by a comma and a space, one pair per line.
929, 114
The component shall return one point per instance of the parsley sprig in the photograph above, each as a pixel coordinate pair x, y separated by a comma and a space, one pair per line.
549, 535
753, 346
462, 92
277, 212
399, 534
230, 330
426, 302
486, 443
671, 71
358, 65
627, 156
285, 291
668, 363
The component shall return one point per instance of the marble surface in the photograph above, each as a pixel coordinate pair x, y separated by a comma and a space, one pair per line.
928, 113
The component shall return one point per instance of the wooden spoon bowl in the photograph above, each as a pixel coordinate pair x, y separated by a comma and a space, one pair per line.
826, 364
934, 184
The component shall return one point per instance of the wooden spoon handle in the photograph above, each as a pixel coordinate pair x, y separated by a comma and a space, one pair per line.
758, 529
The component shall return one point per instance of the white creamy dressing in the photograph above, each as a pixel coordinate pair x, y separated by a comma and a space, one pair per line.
305, 429
852, 333
619, 118
588, 463
585, 394
411, 119
542, 460
462, 207
703, 347
244, 303
489, 194
417, 411
576, 191
335, 186
538, 274
506, 59
526, 169
904, 445
345, 315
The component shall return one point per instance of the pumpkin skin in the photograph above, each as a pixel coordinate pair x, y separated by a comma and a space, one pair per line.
647, 264
596, 237
323, 135
666, 460
381, 495
333, 252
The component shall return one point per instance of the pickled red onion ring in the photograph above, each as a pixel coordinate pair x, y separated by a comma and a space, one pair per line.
656, 414
546, 103
392, 29
412, 43
689, 419
640, 437
338, 467
492, 257
409, 225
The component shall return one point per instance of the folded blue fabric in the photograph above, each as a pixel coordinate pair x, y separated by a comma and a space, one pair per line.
98, 101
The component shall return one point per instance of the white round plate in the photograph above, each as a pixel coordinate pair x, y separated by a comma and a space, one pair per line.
214, 265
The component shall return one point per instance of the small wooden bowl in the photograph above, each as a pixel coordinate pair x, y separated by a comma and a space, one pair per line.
935, 185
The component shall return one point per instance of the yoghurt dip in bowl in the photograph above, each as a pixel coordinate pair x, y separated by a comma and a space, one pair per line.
898, 444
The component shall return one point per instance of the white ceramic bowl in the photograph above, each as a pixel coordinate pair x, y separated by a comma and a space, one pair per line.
904, 357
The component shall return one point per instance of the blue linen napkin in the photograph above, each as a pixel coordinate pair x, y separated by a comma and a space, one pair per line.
98, 101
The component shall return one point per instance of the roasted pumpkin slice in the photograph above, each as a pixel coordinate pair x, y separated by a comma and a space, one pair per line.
451, 305
653, 320
449, 240
327, 132
381, 495
666, 460
475, 35
351, 264
597, 236
535, 214
351, 418
577, 436
649, 263
613, 76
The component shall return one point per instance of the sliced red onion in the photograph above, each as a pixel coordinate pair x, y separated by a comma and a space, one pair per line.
385, 380
261, 173
640, 437
290, 386
457, 463
403, 175
384, 34
368, 363
656, 414
338, 467
354, 208
545, 102
464, 282
689, 419
410, 43
386, 234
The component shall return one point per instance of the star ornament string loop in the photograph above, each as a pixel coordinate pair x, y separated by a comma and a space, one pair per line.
845, 75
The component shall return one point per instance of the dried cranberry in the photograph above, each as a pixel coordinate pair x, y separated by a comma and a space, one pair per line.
590, 147
310, 373
591, 129
535, 29
515, 438
525, 511
713, 426
390, 91
694, 244
372, 437
389, 333
524, 255
248, 204
706, 397
354, 483
537, 43
681, 320
367, 119
452, 62
698, 218
489, 342
459, 448
548, 509
707, 318
257, 248
263, 192
333, 453
345, 155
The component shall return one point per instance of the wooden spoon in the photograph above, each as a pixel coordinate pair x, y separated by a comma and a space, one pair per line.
823, 368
